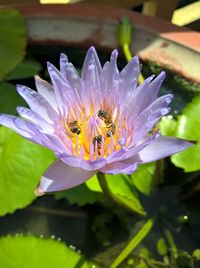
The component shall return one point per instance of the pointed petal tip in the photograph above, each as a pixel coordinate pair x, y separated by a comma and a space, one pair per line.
63, 55
50, 66
114, 53
37, 77
191, 142
162, 75
20, 88
92, 49
63, 59
38, 192
18, 109
136, 59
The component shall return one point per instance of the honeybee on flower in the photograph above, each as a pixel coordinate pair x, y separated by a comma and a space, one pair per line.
99, 121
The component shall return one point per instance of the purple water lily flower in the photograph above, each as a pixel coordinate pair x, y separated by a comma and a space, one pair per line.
101, 121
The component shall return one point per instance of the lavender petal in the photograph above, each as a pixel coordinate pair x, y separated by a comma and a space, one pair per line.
91, 53
129, 78
125, 167
37, 103
69, 72
162, 147
46, 91
60, 176
9, 121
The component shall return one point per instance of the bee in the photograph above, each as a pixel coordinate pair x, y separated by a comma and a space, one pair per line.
107, 119
110, 130
74, 127
105, 116
98, 140
102, 114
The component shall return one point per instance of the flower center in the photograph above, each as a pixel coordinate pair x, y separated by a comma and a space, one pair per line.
91, 136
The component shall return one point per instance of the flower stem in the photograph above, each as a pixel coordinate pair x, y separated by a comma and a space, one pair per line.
135, 241
158, 173
127, 52
104, 185
106, 190
128, 57
170, 241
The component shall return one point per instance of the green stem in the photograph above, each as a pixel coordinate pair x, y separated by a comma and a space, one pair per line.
128, 57
158, 173
135, 241
104, 185
170, 241
127, 52
106, 190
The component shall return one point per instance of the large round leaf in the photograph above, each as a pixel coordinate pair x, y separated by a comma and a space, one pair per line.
21, 165
26, 69
124, 193
32, 252
143, 177
9, 99
188, 128
12, 40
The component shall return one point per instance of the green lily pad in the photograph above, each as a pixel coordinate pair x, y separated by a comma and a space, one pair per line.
188, 128
93, 184
168, 126
30, 251
26, 69
10, 99
21, 165
12, 40
142, 178
124, 193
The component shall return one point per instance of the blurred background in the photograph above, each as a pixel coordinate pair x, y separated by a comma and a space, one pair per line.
179, 12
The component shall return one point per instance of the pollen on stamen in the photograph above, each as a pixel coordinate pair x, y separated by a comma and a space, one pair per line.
111, 146
102, 147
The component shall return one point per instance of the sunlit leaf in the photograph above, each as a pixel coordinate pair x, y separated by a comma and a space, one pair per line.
188, 128
93, 184
196, 254
142, 178
25, 69
123, 192
9, 99
161, 247
29, 251
12, 40
167, 126
21, 165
